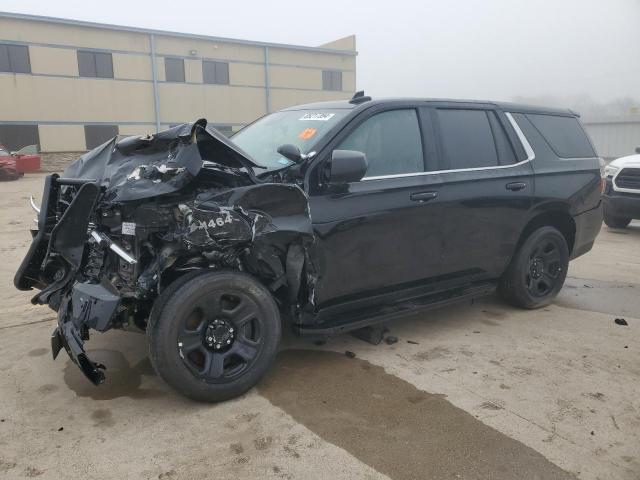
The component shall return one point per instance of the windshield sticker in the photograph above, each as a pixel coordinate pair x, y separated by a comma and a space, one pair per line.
307, 133
320, 117
284, 161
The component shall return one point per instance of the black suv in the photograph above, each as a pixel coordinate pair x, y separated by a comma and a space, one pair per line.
325, 217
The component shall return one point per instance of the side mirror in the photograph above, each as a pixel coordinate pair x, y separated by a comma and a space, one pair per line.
347, 166
291, 152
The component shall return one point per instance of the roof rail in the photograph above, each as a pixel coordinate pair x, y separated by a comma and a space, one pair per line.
359, 97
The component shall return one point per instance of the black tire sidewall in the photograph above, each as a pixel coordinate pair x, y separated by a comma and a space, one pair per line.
512, 287
163, 334
616, 222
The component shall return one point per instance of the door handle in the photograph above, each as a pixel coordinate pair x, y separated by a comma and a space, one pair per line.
423, 196
516, 186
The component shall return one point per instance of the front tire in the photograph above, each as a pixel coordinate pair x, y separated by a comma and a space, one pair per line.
213, 336
616, 222
537, 271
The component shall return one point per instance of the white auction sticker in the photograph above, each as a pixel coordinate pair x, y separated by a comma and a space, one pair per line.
128, 228
320, 117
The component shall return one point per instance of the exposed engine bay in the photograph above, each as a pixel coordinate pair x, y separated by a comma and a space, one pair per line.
130, 217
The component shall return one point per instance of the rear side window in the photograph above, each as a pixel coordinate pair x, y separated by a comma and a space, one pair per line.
391, 141
564, 135
467, 138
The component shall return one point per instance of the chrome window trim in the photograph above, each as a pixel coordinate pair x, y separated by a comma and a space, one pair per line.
523, 140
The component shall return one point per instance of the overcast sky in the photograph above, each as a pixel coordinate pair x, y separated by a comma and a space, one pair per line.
492, 49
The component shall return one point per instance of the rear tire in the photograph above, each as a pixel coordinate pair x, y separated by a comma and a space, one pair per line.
537, 271
213, 335
616, 222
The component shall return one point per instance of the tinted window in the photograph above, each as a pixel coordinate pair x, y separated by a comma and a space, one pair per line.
96, 135
14, 58
506, 155
467, 139
15, 137
392, 142
331, 80
174, 69
215, 72
564, 135
95, 64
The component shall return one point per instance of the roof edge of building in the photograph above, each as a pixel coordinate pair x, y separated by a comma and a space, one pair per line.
148, 31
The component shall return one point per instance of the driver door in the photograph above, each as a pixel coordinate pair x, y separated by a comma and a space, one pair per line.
380, 234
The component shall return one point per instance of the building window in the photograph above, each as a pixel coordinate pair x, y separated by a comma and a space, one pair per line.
215, 72
95, 64
14, 58
96, 135
15, 137
174, 69
331, 80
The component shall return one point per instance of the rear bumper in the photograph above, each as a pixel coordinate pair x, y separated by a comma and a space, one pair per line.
588, 225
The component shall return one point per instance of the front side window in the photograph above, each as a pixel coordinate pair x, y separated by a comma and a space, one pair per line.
467, 139
15, 137
95, 64
174, 69
391, 141
302, 128
14, 58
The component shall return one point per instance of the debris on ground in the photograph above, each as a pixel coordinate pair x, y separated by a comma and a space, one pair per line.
61, 429
372, 334
412, 342
350, 354
621, 321
391, 340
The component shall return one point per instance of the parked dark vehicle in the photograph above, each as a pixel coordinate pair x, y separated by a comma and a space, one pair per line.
322, 218
621, 197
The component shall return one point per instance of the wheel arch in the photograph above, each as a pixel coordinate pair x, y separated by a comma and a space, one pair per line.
557, 218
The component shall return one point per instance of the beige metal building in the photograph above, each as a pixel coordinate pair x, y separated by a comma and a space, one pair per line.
614, 137
69, 85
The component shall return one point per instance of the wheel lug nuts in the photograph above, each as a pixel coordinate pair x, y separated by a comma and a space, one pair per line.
228, 342
231, 330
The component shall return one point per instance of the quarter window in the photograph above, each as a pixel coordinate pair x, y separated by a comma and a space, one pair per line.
391, 141
467, 139
174, 69
14, 58
96, 135
215, 72
564, 135
331, 80
95, 64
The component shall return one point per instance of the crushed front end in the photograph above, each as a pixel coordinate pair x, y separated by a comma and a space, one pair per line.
130, 217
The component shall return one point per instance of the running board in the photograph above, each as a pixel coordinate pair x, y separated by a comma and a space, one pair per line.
388, 313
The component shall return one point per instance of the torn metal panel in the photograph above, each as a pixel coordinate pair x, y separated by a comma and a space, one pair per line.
132, 216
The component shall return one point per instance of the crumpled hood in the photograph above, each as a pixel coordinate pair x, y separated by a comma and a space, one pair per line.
136, 167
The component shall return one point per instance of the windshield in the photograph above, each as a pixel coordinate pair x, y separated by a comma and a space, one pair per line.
301, 128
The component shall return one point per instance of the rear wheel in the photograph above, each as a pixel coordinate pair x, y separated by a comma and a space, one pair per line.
616, 222
537, 271
214, 335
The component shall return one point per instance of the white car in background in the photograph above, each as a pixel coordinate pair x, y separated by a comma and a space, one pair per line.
622, 191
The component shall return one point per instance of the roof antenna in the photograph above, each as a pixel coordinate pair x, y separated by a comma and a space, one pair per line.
359, 97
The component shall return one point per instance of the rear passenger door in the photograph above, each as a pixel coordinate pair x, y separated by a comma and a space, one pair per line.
486, 193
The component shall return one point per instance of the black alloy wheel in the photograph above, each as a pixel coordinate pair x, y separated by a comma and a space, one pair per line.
537, 270
213, 335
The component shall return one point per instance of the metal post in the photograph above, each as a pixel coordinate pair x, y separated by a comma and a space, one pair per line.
154, 76
267, 85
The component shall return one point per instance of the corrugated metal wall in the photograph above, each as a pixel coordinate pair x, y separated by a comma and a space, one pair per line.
615, 137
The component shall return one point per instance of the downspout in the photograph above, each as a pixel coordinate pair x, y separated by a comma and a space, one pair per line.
267, 85
154, 76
